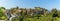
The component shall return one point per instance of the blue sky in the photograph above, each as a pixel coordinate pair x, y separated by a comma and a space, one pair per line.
48, 4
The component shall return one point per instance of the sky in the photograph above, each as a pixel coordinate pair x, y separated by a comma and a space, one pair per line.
48, 4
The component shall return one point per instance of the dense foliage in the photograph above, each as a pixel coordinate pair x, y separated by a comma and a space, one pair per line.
2, 15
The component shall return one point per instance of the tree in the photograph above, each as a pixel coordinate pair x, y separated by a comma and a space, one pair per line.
17, 7
2, 13
2, 7
55, 13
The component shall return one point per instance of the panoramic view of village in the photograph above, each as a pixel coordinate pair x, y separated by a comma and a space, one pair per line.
24, 14
29, 10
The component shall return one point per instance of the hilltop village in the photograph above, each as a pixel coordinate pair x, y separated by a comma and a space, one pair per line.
36, 10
